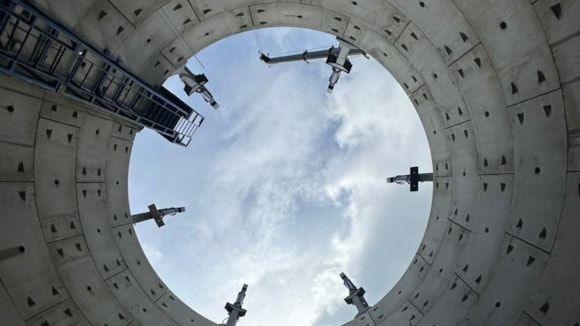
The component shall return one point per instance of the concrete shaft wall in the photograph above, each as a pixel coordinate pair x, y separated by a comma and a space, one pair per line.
495, 83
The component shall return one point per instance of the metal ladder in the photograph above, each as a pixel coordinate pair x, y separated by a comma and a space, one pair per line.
40, 51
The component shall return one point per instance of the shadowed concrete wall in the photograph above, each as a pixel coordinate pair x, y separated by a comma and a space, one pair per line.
495, 83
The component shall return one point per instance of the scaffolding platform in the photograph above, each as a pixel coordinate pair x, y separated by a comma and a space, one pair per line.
40, 51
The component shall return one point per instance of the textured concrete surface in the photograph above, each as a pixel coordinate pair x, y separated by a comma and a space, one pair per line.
495, 83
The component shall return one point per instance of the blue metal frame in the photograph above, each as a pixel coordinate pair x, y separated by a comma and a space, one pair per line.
45, 53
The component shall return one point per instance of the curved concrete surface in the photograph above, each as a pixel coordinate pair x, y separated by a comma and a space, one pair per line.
495, 83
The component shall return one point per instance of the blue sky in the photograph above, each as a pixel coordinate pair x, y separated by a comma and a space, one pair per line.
284, 185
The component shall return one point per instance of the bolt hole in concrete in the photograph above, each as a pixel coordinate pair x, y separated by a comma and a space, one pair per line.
284, 185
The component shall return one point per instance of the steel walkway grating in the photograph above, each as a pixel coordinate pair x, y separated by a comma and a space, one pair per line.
42, 52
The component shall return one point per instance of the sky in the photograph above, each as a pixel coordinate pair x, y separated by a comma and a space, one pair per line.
284, 185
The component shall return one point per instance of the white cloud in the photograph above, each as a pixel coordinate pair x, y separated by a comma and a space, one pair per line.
153, 254
281, 150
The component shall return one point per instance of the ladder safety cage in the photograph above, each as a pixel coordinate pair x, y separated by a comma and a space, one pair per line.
42, 52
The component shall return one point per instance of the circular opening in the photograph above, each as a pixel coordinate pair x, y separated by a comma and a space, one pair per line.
285, 184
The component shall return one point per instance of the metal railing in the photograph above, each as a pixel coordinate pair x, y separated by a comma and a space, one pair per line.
41, 51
